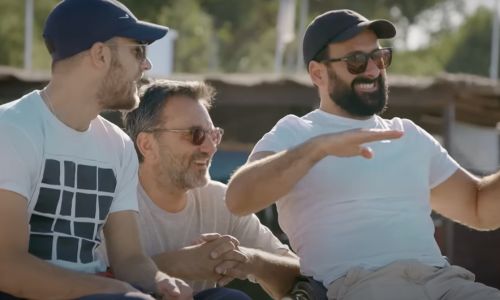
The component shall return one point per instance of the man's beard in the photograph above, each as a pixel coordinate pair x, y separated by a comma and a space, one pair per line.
186, 176
116, 93
359, 105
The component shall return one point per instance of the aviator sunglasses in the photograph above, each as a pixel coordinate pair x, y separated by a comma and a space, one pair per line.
197, 134
358, 61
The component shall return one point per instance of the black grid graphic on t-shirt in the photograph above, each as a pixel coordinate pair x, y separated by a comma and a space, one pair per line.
72, 204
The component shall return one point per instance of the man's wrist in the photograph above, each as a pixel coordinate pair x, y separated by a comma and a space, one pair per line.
253, 265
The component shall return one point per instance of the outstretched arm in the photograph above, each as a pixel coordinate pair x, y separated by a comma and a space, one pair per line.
268, 176
469, 200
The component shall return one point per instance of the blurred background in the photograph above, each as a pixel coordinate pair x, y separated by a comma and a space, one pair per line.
443, 77
221, 36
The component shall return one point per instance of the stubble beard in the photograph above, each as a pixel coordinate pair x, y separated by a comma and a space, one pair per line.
115, 93
186, 176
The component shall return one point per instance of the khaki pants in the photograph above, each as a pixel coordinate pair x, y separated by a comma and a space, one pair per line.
410, 280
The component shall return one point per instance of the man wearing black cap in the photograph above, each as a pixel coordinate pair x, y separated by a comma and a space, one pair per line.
362, 227
66, 174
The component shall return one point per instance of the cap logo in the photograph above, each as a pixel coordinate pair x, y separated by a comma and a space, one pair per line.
126, 16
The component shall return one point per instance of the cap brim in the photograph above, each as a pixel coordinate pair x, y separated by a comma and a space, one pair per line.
383, 29
144, 31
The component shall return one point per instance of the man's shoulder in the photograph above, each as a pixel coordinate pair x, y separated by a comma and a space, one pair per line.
397, 123
23, 114
111, 130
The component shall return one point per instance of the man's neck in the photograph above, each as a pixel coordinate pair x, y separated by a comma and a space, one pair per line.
74, 105
164, 194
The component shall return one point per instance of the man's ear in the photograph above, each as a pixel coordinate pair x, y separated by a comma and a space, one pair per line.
318, 73
146, 144
100, 55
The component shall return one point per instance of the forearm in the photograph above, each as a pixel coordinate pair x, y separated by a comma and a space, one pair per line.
489, 202
260, 183
140, 271
275, 273
175, 264
26, 276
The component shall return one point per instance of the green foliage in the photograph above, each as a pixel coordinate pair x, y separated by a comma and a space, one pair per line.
11, 32
471, 44
465, 50
240, 36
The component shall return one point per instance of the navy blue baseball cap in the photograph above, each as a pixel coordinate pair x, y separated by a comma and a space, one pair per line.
337, 26
75, 25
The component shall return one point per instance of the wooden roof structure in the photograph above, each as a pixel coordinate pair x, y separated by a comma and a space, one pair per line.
248, 105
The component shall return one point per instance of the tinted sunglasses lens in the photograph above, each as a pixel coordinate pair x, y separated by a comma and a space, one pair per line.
382, 58
357, 63
198, 136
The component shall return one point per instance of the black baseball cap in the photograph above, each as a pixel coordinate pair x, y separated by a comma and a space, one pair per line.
337, 26
75, 25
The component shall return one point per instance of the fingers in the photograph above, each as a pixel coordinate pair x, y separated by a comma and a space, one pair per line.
232, 269
223, 267
206, 237
224, 280
366, 152
174, 288
371, 135
235, 255
222, 245
168, 287
138, 295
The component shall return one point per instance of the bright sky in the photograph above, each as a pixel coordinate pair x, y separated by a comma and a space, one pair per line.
417, 36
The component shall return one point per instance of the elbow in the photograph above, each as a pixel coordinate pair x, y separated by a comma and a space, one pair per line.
233, 202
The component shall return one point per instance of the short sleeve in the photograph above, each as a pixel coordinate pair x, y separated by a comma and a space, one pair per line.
284, 135
126, 193
441, 164
253, 234
19, 160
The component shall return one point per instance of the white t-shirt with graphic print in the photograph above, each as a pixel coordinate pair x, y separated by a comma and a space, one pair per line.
205, 212
348, 212
72, 180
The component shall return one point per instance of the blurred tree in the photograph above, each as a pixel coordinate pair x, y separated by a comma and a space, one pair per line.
240, 36
471, 44
245, 33
463, 50
194, 47
11, 33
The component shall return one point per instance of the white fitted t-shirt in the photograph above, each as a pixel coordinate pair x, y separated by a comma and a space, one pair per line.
348, 212
72, 180
205, 212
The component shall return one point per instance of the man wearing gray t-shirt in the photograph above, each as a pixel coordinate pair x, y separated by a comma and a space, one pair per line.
185, 224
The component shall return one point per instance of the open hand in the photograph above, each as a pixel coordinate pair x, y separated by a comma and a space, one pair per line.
351, 143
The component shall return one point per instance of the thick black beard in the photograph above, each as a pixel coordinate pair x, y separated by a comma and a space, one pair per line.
365, 105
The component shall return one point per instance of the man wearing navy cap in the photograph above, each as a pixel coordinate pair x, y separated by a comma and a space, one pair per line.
66, 174
361, 227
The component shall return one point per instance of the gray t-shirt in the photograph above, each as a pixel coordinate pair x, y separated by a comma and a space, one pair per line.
205, 212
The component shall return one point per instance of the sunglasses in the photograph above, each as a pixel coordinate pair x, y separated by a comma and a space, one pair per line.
358, 61
139, 49
197, 134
